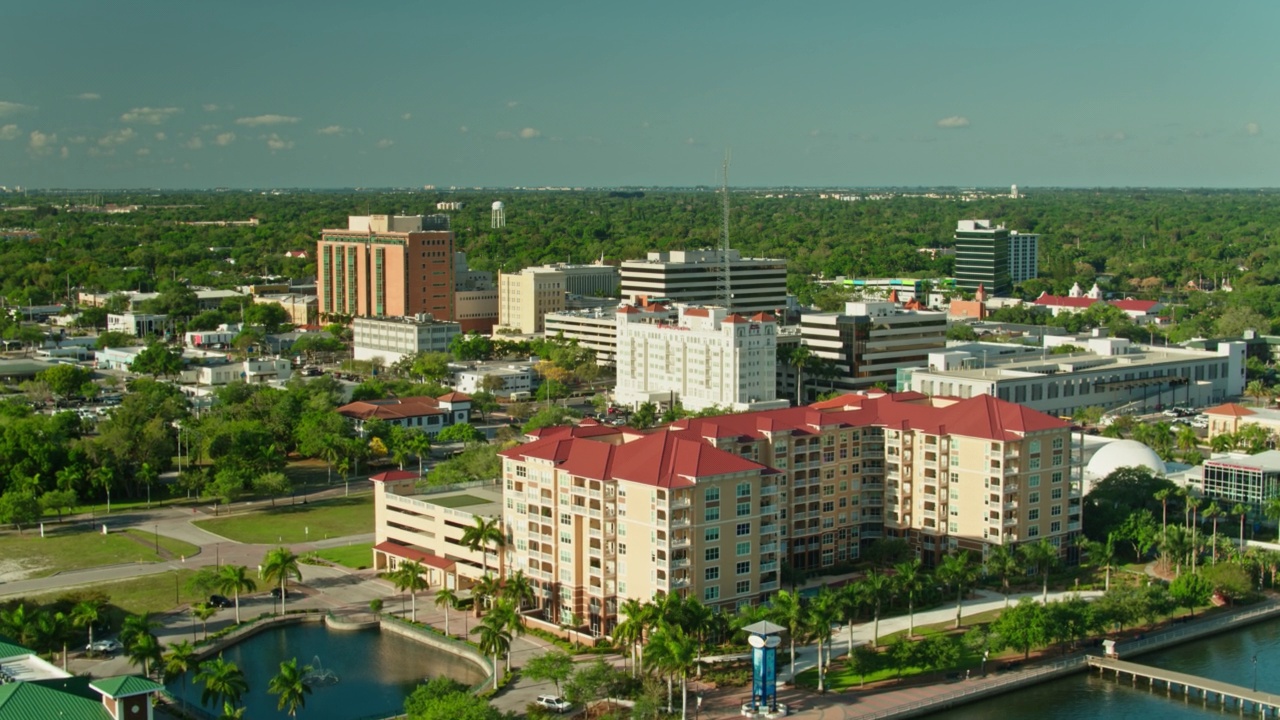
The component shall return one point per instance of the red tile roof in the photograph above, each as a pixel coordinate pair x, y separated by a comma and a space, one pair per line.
697, 312
1047, 300
1231, 409
394, 475
392, 408
735, 318
762, 317
408, 553
627, 309
454, 397
662, 459
1144, 306
575, 431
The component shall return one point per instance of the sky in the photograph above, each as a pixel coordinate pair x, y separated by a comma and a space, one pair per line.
848, 93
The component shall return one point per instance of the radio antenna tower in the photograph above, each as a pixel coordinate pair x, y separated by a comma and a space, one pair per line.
726, 287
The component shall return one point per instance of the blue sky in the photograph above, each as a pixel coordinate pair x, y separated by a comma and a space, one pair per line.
329, 93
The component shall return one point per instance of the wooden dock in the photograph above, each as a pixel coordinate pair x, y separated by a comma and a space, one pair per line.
1191, 686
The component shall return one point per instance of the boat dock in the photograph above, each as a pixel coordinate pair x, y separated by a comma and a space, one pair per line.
1191, 686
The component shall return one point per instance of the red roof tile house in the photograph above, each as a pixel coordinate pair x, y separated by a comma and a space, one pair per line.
711, 507
430, 415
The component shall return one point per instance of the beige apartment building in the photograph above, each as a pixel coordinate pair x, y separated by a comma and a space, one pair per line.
525, 298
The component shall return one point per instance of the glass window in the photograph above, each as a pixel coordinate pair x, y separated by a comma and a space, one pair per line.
711, 494
712, 554
743, 568
744, 529
712, 514
744, 489
712, 534
743, 548
742, 587
711, 593
712, 573
744, 509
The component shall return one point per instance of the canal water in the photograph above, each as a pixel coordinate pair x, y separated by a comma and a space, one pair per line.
374, 670
1227, 658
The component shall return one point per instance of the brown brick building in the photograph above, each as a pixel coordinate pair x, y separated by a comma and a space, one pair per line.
387, 266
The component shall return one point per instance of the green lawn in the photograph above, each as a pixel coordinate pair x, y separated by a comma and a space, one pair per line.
70, 548
298, 523
151, 593
357, 557
176, 548
457, 501
842, 677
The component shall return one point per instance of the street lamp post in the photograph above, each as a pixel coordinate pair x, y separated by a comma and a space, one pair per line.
1255, 672
157, 534
985, 655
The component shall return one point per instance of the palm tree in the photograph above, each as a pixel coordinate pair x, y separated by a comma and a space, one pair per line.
1003, 562
676, 653
824, 612
86, 613
631, 629
909, 581
875, 589
1042, 556
1271, 509
446, 598
143, 650
231, 712
408, 576
480, 535
1175, 546
279, 565
233, 580
1163, 495
956, 571
1214, 512
518, 589
1257, 390
136, 626
179, 661
494, 640
505, 612
1242, 510
800, 357
19, 624
483, 592
1193, 504
202, 612
291, 685
850, 609
224, 682
788, 612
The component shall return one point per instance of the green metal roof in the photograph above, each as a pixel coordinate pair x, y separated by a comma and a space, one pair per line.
24, 701
125, 685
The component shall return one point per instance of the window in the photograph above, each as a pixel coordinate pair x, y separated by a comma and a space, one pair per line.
1034, 463
742, 587
743, 568
744, 529
1055, 511
1055, 526
566, 556
566, 539
711, 593
712, 534
1057, 477
712, 514
712, 494
712, 573
744, 489
1033, 447
829, 506
1033, 514
744, 509
742, 548
622, 548
1057, 443
1033, 498
565, 518
1055, 494
1033, 531
712, 554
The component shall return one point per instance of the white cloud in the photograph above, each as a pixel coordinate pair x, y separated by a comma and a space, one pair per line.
513, 103
161, 136
116, 137
77, 139
464, 129
275, 142
9, 132
1252, 128
530, 133
225, 139
41, 143
1117, 136
149, 115
954, 121
385, 143
333, 130
12, 108
407, 116
504, 135
195, 143
257, 120
142, 152
64, 153
88, 96
210, 107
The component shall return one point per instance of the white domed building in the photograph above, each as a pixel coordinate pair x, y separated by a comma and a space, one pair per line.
1120, 454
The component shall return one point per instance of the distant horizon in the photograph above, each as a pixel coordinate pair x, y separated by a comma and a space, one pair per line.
827, 94
995, 191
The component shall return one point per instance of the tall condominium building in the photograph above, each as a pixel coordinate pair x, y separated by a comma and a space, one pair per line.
1024, 256
869, 342
710, 507
525, 298
696, 278
708, 357
982, 257
386, 265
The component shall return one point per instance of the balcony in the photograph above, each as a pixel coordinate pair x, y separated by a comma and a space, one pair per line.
680, 501
767, 586
680, 541
767, 548
595, 532
1010, 469
594, 552
1010, 488
1073, 526
768, 489
770, 566
680, 521
679, 562
680, 582
1011, 505
1010, 522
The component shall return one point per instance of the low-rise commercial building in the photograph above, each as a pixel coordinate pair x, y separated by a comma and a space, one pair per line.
869, 343
391, 339
138, 324
515, 378
301, 309
430, 415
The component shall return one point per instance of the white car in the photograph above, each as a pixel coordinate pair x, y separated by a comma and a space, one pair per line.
106, 647
553, 702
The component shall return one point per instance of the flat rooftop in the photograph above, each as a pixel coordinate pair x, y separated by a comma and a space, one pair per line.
485, 500
998, 368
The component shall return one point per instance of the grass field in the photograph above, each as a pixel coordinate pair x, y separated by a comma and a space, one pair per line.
357, 557
298, 523
176, 548
457, 501
151, 593
69, 548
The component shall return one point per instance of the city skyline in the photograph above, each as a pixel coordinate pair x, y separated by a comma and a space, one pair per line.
147, 94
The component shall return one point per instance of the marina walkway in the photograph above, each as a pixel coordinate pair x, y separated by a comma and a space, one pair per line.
1226, 693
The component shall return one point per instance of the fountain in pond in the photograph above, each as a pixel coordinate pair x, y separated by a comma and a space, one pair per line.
318, 676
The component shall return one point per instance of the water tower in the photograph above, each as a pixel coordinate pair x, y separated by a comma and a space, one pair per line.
497, 217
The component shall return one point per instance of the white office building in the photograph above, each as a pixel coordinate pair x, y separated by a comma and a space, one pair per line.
394, 338
709, 357
869, 343
696, 278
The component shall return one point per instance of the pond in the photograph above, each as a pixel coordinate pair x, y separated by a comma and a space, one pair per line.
374, 671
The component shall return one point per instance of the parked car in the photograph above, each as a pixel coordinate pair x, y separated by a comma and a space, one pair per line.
555, 703
220, 601
105, 647
275, 593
